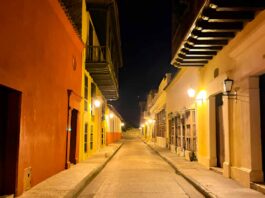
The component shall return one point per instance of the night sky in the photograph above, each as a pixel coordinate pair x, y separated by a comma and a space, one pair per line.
146, 45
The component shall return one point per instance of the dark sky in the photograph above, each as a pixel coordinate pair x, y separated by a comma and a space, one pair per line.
146, 39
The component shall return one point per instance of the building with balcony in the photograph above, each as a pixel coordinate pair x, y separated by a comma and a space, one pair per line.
98, 25
104, 59
224, 41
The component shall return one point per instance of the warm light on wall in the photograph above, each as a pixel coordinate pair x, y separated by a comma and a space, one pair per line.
111, 115
191, 92
201, 97
151, 121
97, 103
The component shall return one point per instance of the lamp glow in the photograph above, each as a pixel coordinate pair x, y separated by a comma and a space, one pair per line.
111, 115
201, 97
122, 124
97, 103
191, 92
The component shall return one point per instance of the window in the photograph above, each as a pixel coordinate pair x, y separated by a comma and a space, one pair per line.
93, 94
102, 136
86, 93
85, 137
161, 123
91, 137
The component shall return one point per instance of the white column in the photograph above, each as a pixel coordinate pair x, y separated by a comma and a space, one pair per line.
226, 125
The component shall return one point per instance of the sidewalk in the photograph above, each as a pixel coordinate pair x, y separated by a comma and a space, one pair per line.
70, 182
210, 183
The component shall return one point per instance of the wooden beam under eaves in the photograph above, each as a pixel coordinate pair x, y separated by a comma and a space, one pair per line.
195, 42
192, 61
198, 60
204, 57
203, 53
188, 48
199, 35
205, 26
212, 15
237, 5
190, 64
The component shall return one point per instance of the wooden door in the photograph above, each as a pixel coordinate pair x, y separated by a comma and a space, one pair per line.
74, 115
10, 104
262, 117
220, 153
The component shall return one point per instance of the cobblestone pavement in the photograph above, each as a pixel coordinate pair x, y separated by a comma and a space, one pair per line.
137, 171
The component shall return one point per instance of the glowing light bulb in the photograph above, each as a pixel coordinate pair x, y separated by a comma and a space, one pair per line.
191, 92
97, 103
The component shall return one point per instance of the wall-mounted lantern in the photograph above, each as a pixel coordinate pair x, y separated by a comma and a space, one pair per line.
228, 86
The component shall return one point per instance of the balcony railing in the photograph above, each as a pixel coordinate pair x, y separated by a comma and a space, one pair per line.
98, 54
99, 64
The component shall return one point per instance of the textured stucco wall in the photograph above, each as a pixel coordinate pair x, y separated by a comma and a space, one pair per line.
38, 45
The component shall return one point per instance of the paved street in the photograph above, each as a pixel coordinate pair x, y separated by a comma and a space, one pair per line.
136, 171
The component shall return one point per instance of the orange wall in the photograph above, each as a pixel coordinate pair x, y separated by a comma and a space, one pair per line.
113, 137
36, 53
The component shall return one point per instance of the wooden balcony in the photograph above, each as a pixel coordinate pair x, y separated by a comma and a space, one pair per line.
100, 66
207, 26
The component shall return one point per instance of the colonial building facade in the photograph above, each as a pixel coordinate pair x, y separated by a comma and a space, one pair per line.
224, 43
214, 106
58, 70
41, 64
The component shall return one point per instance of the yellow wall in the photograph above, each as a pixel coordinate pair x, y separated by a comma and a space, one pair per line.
243, 61
94, 122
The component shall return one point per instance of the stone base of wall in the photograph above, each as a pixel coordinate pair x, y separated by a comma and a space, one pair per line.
173, 148
180, 152
161, 141
245, 176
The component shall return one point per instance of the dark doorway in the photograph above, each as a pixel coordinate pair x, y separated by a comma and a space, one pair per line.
10, 103
220, 151
262, 118
74, 115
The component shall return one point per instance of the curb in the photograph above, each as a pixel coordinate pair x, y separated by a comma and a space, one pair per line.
81, 185
195, 184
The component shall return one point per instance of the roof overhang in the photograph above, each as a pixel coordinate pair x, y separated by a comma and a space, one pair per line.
216, 22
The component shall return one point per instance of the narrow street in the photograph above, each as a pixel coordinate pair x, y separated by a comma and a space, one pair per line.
137, 171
